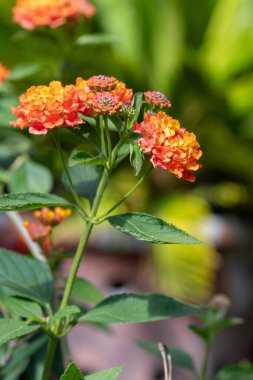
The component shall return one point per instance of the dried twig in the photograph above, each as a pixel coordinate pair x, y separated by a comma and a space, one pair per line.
167, 365
33, 247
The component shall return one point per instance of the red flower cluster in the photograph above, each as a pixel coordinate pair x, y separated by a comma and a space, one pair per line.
172, 148
33, 13
45, 107
4, 72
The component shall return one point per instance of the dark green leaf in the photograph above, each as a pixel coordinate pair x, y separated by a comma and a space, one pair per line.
12, 329
19, 308
85, 180
83, 158
30, 176
179, 357
30, 201
136, 158
72, 373
85, 291
137, 308
97, 39
26, 277
108, 374
149, 228
23, 70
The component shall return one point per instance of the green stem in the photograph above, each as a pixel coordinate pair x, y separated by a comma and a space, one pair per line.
126, 196
108, 138
72, 276
72, 187
102, 135
52, 344
203, 370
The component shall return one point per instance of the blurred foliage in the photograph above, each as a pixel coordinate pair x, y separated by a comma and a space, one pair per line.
198, 53
187, 273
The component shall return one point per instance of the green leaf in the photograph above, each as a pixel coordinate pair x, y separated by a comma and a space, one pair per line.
108, 374
20, 358
66, 312
236, 372
6, 103
85, 291
84, 158
22, 71
12, 144
30, 176
30, 201
136, 158
149, 228
12, 329
179, 357
72, 373
97, 39
19, 308
26, 277
85, 179
137, 308
137, 104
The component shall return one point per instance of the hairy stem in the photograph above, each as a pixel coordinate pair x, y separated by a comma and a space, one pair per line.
73, 272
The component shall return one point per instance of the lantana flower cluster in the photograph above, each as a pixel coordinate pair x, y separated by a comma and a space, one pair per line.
30, 14
4, 72
45, 219
46, 107
171, 147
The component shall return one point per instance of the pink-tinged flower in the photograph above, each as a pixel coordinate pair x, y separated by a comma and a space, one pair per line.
104, 103
4, 72
37, 230
157, 99
102, 95
43, 108
172, 148
100, 83
30, 14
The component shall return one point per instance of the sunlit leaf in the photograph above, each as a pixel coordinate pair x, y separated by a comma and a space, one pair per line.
149, 228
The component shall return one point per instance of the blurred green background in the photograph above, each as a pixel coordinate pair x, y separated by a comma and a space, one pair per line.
199, 53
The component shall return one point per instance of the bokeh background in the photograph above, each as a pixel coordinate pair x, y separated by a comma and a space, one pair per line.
200, 54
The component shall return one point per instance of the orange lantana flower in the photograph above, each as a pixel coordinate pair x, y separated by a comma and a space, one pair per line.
4, 72
33, 13
172, 148
52, 217
45, 107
